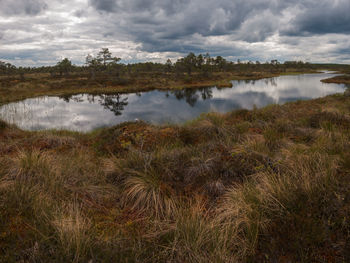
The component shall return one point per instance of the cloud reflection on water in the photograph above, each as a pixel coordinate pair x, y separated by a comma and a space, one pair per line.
86, 112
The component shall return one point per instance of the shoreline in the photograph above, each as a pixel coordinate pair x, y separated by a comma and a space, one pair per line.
189, 86
342, 79
21, 91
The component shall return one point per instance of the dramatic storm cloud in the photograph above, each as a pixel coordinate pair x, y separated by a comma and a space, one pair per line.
40, 32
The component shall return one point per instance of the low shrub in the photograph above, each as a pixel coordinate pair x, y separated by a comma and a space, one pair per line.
273, 138
331, 117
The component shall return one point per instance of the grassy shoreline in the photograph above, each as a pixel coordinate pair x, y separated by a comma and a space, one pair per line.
43, 85
343, 79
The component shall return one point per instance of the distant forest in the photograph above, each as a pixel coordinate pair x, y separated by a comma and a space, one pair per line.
105, 65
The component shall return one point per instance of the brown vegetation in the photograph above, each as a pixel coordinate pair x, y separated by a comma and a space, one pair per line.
343, 79
267, 185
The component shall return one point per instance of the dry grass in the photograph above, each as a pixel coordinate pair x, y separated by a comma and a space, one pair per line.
147, 193
72, 231
269, 185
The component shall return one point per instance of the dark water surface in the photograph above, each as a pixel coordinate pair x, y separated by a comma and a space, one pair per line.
86, 112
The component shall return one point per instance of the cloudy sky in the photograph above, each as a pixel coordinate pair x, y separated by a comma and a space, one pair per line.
41, 32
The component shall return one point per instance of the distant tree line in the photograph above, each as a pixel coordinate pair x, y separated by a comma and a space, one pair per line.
106, 66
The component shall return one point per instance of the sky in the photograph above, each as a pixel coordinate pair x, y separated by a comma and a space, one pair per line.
42, 32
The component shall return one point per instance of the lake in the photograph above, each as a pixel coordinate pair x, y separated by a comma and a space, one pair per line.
86, 112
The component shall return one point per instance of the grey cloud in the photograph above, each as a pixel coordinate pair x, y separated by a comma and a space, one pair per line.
169, 6
104, 5
80, 13
138, 30
194, 16
258, 27
20, 7
158, 25
321, 17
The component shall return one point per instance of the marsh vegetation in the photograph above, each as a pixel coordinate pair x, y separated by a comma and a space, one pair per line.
268, 184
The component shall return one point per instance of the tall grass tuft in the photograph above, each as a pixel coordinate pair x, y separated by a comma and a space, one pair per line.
146, 192
277, 200
72, 232
195, 237
273, 138
27, 164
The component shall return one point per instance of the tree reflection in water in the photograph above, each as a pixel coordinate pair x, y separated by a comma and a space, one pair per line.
267, 81
206, 93
191, 96
68, 98
115, 103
